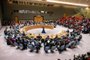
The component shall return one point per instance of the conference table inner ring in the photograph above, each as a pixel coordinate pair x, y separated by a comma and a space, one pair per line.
26, 28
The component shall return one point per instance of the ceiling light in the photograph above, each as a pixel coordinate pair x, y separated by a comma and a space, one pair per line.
87, 8
69, 3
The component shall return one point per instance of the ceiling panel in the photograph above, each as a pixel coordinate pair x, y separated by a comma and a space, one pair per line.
71, 1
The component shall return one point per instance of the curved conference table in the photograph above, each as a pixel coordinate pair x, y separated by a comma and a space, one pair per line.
26, 28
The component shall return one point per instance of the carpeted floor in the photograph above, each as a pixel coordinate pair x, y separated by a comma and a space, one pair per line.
11, 53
